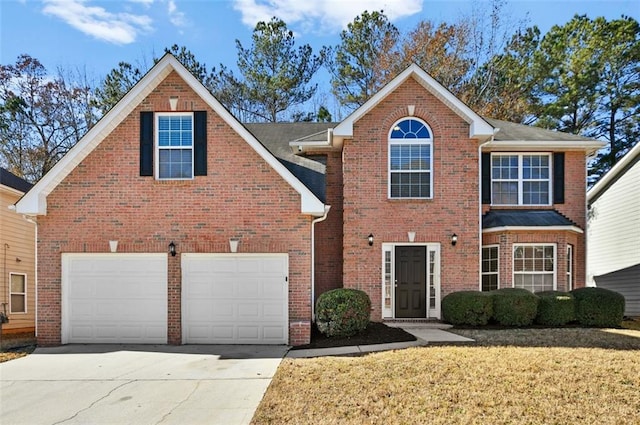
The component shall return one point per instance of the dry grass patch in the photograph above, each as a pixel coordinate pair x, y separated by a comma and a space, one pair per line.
460, 385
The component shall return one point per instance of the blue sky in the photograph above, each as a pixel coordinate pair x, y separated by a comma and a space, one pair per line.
95, 35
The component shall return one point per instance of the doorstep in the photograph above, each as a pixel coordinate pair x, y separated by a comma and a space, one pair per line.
416, 323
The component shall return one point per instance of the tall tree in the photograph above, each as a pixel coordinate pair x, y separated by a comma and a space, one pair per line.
360, 63
504, 87
274, 74
441, 50
591, 83
42, 117
619, 91
115, 85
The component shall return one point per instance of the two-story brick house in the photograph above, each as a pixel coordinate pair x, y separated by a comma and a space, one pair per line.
171, 222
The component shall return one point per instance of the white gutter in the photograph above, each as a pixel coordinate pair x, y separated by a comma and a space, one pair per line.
313, 258
32, 219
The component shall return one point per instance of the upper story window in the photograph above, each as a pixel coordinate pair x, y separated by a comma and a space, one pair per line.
521, 179
174, 146
410, 160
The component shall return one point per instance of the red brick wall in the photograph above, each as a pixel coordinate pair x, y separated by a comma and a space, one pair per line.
453, 209
574, 208
328, 236
104, 198
506, 240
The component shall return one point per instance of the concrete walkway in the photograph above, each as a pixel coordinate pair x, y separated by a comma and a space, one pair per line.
424, 332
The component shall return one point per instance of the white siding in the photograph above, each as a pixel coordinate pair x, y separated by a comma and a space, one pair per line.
614, 226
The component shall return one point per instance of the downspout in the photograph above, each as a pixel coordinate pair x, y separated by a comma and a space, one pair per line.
31, 219
495, 130
313, 259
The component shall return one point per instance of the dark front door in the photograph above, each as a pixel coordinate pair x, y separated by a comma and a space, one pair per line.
411, 281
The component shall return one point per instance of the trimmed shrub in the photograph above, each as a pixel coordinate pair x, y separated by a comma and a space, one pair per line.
555, 308
343, 312
514, 306
598, 307
472, 308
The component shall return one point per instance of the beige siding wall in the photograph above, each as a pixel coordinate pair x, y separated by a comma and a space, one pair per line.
614, 226
17, 255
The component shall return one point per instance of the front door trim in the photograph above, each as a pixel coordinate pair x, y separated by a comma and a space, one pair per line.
432, 262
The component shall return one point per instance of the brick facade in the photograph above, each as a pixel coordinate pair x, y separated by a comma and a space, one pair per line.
242, 196
368, 210
104, 198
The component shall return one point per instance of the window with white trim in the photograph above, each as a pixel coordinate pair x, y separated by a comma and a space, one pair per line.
490, 271
521, 179
569, 267
174, 146
534, 267
410, 160
18, 293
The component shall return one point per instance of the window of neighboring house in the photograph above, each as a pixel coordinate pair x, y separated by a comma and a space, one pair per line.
410, 160
534, 267
18, 293
490, 267
521, 179
174, 145
569, 267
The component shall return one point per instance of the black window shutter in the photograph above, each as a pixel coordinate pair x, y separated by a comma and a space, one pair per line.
558, 178
200, 143
146, 143
486, 178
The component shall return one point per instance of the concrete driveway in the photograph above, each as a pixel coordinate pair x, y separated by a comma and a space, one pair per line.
137, 384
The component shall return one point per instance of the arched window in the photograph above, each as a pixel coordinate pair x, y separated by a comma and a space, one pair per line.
410, 160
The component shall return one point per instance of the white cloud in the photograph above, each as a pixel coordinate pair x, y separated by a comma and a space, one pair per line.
325, 16
117, 28
176, 17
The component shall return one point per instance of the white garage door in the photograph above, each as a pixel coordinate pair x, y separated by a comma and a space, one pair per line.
114, 298
235, 298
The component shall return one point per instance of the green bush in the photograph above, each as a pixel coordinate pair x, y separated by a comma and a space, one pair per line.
342, 312
472, 308
555, 308
598, 307
514, 306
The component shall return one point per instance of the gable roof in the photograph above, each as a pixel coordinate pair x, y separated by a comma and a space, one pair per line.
35, 201
617, 171
12, 181
478, 127
277, 137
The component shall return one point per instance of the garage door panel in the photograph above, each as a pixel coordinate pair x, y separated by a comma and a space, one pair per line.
113, 298
273, 289
249, 311
246, 300
248, 288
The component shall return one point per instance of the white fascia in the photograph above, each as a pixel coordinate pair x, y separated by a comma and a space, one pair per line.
586, 146
478, 127
613, 172
533, 229
35, 201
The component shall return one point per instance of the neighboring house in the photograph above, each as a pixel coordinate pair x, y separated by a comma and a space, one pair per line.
226, 233
613, 252
18, 264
